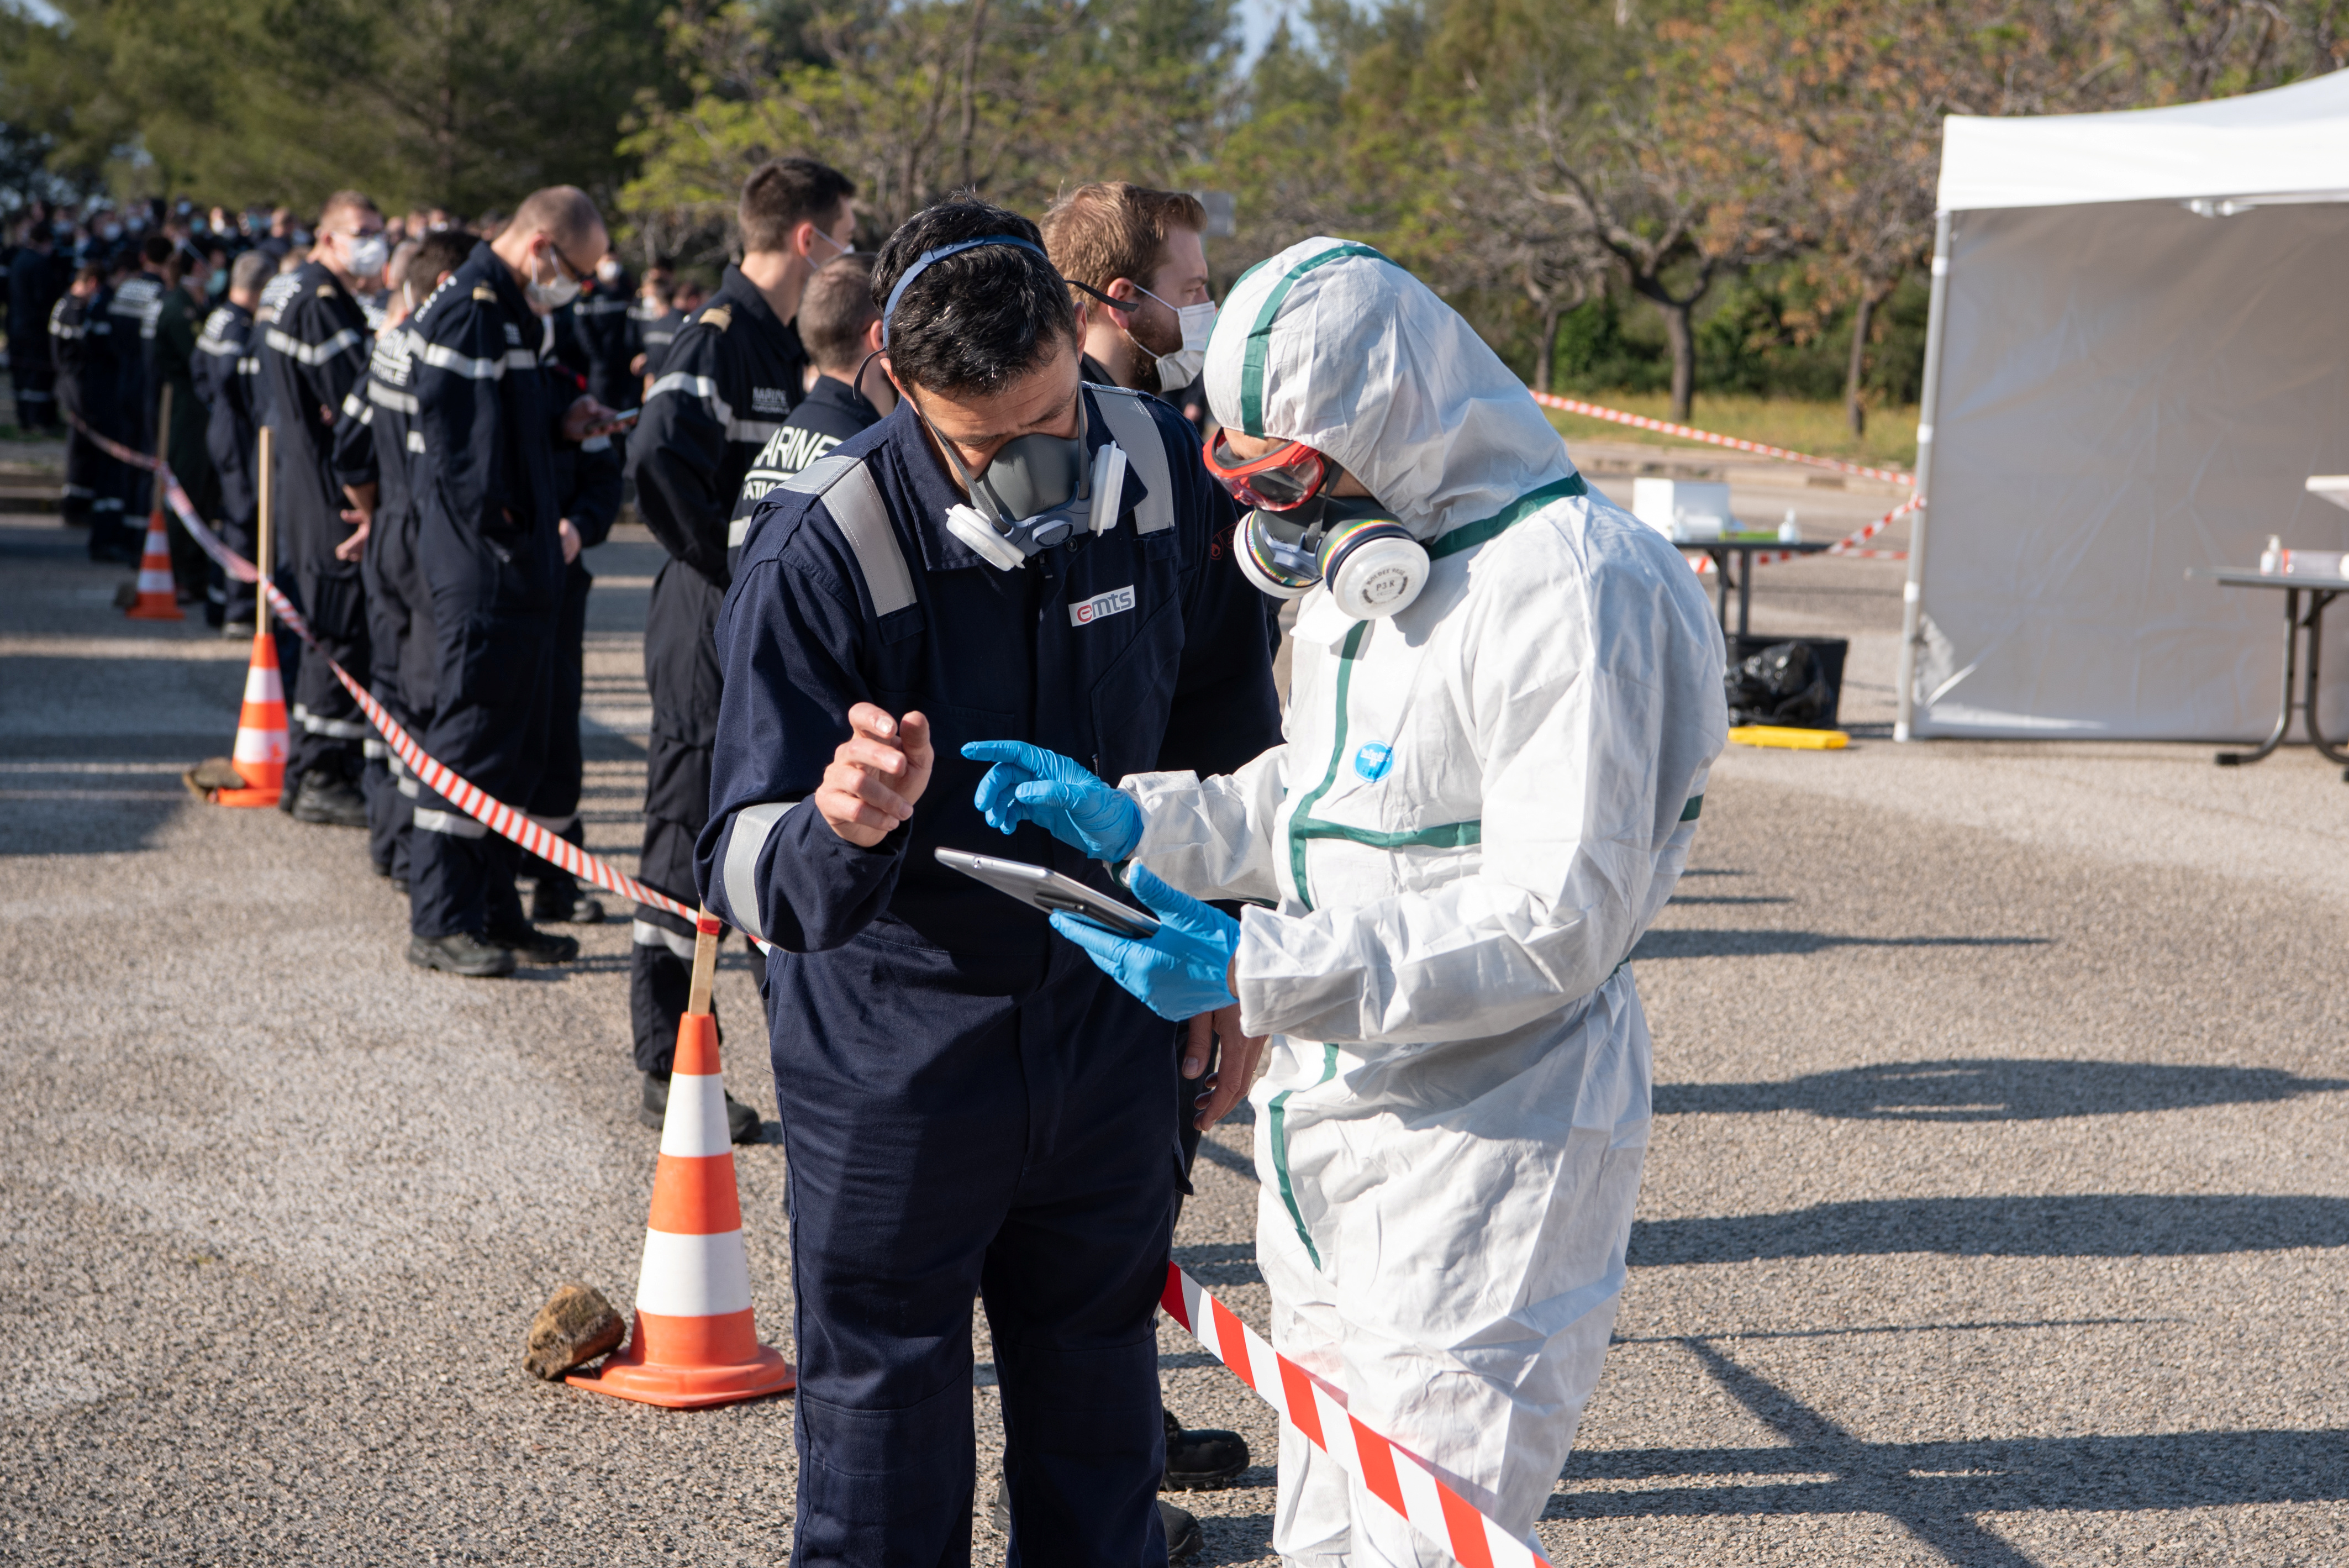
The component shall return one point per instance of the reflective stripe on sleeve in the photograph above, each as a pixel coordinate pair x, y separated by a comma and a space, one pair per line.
455, 823
703, 387
293, 348
744, 841
441, 357
645, 934
391, 398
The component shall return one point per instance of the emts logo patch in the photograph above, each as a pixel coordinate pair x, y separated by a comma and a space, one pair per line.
1117, 601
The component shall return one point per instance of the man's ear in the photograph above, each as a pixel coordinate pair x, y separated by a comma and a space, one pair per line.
872, 339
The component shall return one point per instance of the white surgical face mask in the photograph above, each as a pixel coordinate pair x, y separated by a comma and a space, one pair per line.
1180, 369
367, 254
608, 269
553, 295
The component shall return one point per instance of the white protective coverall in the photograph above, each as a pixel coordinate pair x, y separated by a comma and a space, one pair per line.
1479, 806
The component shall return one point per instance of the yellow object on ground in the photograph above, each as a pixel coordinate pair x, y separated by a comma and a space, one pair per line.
1790, 738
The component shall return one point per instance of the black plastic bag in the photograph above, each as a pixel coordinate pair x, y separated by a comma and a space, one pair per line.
1782, 684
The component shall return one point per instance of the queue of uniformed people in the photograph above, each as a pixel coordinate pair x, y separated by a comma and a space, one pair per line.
447, 415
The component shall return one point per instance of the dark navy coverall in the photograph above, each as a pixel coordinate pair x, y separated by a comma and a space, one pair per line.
313, 352
228, 380
832, 412
37, 281
969, 1106
134, 307
378, 441
486, 548
89, 354
587, 483
606, 317
725, 387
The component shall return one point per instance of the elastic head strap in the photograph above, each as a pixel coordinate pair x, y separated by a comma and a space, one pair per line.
923, 261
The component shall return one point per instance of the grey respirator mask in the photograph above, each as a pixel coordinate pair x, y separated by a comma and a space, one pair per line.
1038, 491
1036, 494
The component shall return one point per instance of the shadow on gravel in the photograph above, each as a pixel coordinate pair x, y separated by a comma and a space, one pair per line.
2091, 1226
1693, 943
45, 814
1994, 1089
1221, 1263
1938, 1490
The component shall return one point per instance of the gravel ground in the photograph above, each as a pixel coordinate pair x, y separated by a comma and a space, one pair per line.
1997, 1212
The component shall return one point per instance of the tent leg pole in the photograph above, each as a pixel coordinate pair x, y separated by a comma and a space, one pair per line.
1912, 593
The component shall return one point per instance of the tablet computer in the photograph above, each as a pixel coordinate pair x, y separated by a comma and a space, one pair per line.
1049, 890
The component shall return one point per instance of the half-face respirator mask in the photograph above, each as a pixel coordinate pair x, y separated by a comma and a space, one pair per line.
1296, 534
1037, 490
1036, 494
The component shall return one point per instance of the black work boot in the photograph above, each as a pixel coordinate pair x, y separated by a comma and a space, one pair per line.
463, 953
534, 946
556, 901
1201, 1458
1183, 1535
741, 1120
328, 798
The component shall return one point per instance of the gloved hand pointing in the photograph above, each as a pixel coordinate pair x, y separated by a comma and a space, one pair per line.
1178, 972
1029, 783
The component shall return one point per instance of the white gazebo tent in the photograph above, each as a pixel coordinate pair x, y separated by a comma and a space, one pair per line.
2139, 353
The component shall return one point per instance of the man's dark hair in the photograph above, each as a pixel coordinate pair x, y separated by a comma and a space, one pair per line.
442, 250
835, 312
785, 192
155, 250
976, 320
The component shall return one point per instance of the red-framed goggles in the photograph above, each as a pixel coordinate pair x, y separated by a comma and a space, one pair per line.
1285, 477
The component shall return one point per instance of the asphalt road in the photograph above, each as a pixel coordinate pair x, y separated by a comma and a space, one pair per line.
1997, 1210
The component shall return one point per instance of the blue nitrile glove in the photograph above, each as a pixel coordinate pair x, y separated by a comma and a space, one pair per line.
1029, 783
1178, 974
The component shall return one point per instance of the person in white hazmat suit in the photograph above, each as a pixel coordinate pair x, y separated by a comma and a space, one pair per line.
1506, 696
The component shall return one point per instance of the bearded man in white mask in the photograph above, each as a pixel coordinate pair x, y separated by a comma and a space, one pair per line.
1136, 262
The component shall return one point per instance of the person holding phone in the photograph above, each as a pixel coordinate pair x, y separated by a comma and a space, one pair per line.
969, 1107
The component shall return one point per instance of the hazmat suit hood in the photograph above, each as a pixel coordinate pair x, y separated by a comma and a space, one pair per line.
1332, 344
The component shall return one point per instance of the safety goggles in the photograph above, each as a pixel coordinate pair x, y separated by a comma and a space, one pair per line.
1283, 478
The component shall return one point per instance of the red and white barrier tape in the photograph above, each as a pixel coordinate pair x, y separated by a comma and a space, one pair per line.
1641, 422
1387, 1471
1843, 546
483, 808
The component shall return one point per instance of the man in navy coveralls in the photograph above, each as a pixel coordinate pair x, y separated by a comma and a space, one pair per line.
969, 1106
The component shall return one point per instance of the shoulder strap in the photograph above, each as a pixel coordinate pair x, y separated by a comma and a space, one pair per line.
1130, 426
846, 487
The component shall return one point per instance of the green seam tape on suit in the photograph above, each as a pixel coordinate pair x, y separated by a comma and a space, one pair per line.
1259, 339
1279, 1132
1451, 836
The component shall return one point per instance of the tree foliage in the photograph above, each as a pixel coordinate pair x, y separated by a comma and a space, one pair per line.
914, 99
1717, 185
462, 103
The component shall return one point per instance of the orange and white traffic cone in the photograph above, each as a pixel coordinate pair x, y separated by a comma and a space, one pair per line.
158, 598
694, 1342
260, 756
